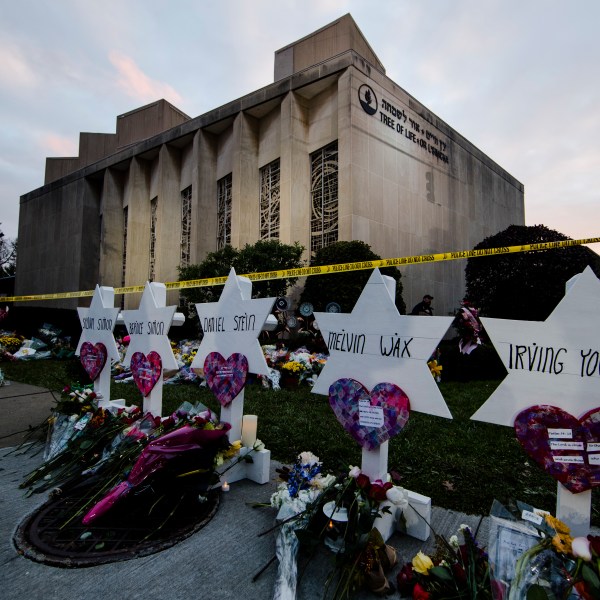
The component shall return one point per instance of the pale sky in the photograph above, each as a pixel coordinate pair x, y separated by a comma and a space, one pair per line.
520, 79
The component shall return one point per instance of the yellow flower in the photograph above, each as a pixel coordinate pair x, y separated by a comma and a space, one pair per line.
233, 450
436, 370
562, 543
557, 524
422, 563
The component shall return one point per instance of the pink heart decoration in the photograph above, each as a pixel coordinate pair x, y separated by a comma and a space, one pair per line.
566, 447
93, 358
146, 370
384, 412
226, 378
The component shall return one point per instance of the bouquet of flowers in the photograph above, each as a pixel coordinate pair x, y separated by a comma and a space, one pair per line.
454, 571
340, 512
469, 327
533, 556
559, 566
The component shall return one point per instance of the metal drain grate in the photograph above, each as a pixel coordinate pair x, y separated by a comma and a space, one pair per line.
142, 524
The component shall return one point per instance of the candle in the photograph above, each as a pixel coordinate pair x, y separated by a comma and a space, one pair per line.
249, 423
225, 486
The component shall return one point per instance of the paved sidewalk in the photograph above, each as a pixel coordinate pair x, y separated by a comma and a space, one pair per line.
216, 563
22, 406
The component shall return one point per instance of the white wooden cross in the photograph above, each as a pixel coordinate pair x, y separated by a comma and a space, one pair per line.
97, 325
232, 325
553, 362
396, 349
148, 327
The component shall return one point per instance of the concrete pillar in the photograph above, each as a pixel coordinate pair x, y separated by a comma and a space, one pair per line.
137, 199
111, 235
344, 111
245, 207
89, 231
204, 196
168, 219
295, 174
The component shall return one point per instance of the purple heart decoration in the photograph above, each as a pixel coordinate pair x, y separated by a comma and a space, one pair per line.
93, 358
370, 418
226, 377
146, 370
566, 447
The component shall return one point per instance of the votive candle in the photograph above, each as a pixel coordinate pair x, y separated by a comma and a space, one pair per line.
249, 425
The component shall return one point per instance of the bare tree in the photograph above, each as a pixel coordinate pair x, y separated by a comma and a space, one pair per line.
8, 255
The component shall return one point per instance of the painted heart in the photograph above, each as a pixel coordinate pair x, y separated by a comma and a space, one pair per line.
371, 418
146, 370
226, 377
566, 447
93, 358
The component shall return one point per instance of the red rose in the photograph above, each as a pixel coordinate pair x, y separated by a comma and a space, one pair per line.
420, 593
583, 590
459, 574
377, 492
168, 423
363, 482
595, 544
200, 421
405, 580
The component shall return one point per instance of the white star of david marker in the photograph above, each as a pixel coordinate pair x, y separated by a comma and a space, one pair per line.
98, 322
149, 325
376, 344
554, 362
233, 324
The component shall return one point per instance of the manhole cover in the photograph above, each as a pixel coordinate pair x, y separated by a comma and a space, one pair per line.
143, 523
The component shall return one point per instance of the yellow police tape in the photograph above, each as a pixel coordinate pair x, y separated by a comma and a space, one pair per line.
325, 269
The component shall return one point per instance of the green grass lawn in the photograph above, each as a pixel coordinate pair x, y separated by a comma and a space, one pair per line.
461, 464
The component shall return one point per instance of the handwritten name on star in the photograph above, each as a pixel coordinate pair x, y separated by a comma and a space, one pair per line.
392, 345
552, 360
97, 324
241, 322
148, 328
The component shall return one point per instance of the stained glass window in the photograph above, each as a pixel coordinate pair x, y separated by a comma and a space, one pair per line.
269, 201
224, 212
324, 197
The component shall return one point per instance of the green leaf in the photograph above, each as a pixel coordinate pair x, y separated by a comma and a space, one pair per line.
590, 577
441, 573
536, 592
86, 444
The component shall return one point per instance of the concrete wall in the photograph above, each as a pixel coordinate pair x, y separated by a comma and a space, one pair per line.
394, 193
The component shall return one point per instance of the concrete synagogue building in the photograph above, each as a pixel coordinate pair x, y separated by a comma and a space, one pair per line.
332, 150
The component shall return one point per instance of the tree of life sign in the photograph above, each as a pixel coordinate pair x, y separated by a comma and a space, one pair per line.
97, 347
551, 394
228, 352
377, 371
149, 351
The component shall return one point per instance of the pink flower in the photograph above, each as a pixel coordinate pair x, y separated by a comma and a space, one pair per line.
354, 472
581, 548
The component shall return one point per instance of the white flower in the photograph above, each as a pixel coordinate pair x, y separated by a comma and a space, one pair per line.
308, 458
464, 528
581, 548
258, 445
280, 496
454, 541
398, 496
354, 472
321, 482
